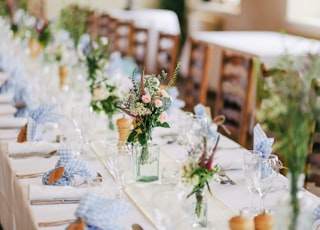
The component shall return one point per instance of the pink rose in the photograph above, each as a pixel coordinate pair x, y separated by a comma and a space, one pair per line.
163, 117
146, 98
158, 103
164, 93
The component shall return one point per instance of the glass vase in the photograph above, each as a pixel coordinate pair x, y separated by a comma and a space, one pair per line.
294, 209
200, 210
146, 162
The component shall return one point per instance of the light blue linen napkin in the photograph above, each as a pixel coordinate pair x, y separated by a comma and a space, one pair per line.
175, 102
44, 113
101, 213
263, 144
72, 168
316, 218
200, 110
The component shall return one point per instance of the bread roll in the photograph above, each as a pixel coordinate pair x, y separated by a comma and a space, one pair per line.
241, 223
264, 221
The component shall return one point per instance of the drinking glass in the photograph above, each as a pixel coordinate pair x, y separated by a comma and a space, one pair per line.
118, 159
252, 163
85, 122
197, 137
184, 125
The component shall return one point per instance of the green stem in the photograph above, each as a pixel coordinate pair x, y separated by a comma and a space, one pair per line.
294, 200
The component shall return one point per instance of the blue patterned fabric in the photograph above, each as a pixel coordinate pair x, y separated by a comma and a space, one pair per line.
200, 110
44, 113
316, 214
175, 102
263, 144
100, 213
72, 168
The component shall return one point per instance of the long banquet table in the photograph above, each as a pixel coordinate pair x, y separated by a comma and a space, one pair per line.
266, 46
16, 212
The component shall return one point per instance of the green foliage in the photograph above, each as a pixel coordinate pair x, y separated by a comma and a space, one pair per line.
73, 19
44, 36
289, 109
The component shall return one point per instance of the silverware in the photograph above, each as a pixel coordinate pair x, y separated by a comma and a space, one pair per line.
26, 155
30, 175
223, 174
55, 223
54, 201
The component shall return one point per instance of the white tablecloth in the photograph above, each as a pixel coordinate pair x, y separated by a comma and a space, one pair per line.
267, 46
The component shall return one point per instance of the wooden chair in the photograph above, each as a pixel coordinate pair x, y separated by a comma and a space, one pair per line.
91, 23
102, 25
124, 37
195, 85
235, 94
111, 34
140, 46
168, 46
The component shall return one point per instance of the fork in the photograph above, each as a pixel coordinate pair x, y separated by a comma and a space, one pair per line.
55, 223
25, 155
222, 173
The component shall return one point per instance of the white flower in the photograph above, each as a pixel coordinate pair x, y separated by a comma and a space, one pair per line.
100, 93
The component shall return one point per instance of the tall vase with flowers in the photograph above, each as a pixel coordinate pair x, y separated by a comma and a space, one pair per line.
105, 95
289, 109
147, 103
198, 173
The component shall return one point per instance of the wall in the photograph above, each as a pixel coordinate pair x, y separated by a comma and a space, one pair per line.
263, 15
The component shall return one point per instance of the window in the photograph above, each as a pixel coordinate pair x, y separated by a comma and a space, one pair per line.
304, 12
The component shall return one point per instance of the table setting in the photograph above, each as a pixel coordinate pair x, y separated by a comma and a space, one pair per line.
70, 163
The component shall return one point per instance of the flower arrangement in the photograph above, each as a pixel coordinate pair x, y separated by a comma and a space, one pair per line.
147, 103
289, 108
73, 19
198, 173
105, 95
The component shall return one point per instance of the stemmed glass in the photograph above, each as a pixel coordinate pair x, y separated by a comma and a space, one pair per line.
252, 164
184, 123
270, 171
197, 136
118, 159
85, 121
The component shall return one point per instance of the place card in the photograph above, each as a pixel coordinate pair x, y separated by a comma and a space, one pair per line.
56, 175
22, 137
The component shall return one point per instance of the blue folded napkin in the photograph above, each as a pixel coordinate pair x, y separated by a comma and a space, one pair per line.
316, 218
44, 113
72, 168
22, 96
200, 110
101, 213
175, 102
16, 76
263, 144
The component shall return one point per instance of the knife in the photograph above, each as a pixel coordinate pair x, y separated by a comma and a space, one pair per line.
54, 201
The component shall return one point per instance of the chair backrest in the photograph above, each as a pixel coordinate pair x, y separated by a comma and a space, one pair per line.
167, 53
196, 82
91, 23
103, 25
124, 37
235, 92
140, 46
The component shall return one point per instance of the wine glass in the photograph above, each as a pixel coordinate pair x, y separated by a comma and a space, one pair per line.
85, 123
184, 125
252, 164
197, 136
118, 159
